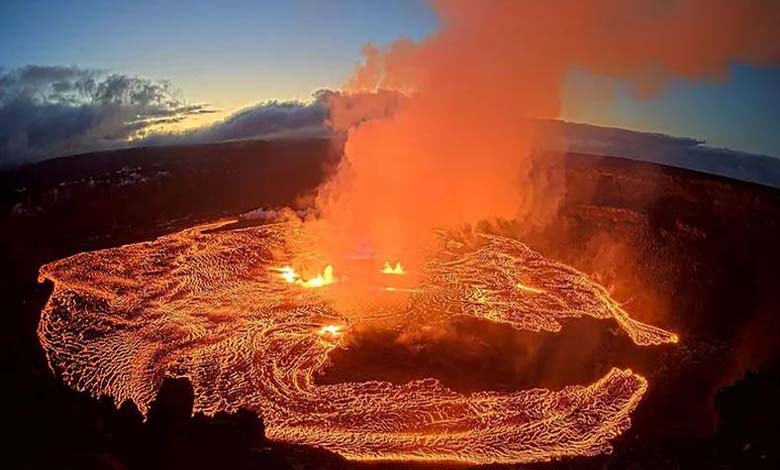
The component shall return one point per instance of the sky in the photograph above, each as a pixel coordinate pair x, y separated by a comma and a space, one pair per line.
740, 111
235, 54
228, 53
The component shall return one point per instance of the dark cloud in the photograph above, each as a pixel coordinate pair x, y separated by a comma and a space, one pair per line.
271, 119
52, 111
49, 111
328, 112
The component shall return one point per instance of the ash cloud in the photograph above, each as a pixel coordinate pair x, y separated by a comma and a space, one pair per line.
50, 111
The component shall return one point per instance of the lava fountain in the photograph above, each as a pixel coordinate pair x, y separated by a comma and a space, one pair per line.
228, 310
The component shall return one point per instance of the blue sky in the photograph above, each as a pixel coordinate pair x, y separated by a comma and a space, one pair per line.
229, 53
741, 111
233, 54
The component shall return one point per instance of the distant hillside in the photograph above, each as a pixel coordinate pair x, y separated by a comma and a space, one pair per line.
142, 187
680, 152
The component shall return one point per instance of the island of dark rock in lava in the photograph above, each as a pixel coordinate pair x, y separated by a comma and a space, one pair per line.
226, 309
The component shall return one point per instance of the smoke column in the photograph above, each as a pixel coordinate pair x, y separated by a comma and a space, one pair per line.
460, 147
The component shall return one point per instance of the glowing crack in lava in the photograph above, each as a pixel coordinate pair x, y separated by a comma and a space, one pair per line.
212, 305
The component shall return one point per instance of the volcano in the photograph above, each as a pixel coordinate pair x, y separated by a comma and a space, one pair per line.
670, 252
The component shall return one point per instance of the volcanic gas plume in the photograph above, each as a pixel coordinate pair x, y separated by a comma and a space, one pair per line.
460, 148
251, 315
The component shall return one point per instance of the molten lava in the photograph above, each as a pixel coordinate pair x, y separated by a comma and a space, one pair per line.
208, 304
526, 288
330, 330
397, 270
288, 274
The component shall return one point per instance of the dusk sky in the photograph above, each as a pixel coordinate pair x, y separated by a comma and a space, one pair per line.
235, 54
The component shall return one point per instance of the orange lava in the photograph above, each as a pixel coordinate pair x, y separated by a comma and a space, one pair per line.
212, 305
289, 275
389, 269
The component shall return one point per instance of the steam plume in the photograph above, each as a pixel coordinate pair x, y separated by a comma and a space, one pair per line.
461, 148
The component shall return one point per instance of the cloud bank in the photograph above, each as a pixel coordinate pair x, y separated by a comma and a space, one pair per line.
328, 112
50, 111
271, 119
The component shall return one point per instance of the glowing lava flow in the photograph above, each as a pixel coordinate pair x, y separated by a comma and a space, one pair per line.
530, 289
397, 270
289, 275
209, 304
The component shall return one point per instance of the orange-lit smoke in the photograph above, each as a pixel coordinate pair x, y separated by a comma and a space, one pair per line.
460, 148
